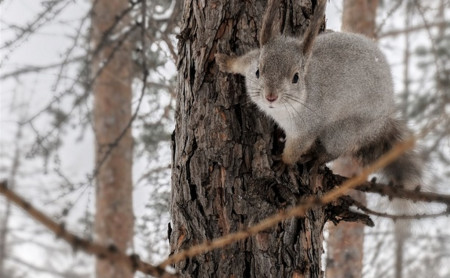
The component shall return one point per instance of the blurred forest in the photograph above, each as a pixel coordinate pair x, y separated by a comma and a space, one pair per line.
87, 99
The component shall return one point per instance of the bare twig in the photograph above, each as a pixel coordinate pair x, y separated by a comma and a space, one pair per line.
396, 192
396, 32
388, 15
108, 253
40, 20
399, 216
36, 69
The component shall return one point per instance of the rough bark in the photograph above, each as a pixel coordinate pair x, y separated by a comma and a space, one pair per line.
223, 178
346, 240
112, 114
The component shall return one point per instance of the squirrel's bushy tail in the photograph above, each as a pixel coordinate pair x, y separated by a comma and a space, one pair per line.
406, 170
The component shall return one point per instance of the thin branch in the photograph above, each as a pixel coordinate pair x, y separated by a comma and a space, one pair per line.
38, 22
110, 253
106, 62
69, 51
170, 46
411, 29
394, 217
388, 15
106, 34
397, 192
35, 69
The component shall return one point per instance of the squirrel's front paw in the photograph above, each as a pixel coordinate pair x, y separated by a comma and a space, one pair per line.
288, 158
223, 61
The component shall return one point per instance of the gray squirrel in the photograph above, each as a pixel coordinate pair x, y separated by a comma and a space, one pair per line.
331, 93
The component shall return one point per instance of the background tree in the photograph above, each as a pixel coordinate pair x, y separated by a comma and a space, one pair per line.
114, 220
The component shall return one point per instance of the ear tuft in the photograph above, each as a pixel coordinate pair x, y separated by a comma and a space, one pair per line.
314, 27
268, 30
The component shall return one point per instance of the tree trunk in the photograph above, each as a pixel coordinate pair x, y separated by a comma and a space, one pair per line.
346, 240
359, 17
112, 114
223, 178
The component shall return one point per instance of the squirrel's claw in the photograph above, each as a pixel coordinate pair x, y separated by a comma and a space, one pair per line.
279, 167
276, 157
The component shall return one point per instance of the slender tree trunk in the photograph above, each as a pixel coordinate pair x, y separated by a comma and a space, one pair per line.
223, 178
346, 240
112, 114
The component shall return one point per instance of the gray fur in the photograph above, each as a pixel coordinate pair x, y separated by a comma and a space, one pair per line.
343, 99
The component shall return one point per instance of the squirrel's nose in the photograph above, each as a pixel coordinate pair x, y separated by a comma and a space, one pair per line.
271, 98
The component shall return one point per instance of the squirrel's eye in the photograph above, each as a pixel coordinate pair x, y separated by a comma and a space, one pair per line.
257, 73
295, 78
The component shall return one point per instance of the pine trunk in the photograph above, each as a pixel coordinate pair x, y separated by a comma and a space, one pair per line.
223, 178
359, 16
112, 114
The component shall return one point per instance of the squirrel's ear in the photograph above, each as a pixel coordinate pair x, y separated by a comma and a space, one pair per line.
269, 30
313, 28
236, 64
